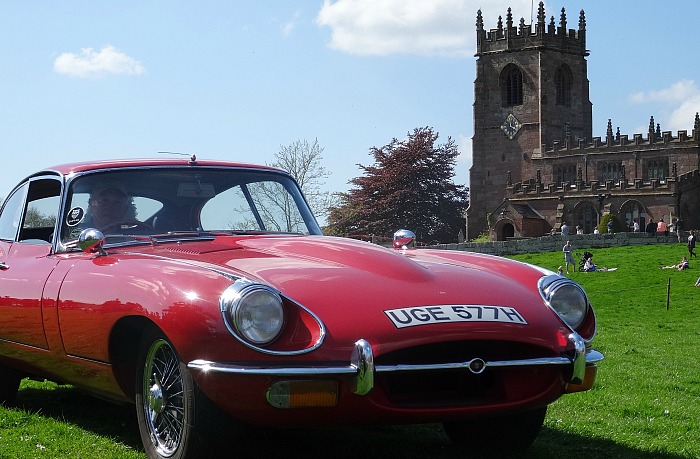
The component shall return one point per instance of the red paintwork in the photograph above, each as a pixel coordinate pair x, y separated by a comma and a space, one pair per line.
68, 304
73, 168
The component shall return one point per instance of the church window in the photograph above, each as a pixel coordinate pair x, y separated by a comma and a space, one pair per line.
564, 173
657, 169
512, 86
563, 81
609, 171
631, 211
586, 217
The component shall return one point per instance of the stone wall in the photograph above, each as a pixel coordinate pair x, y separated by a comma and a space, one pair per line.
555, 243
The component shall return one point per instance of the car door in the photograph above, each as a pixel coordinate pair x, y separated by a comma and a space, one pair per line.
27, 225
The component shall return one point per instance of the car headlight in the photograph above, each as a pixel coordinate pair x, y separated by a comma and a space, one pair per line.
253, 312
567, 299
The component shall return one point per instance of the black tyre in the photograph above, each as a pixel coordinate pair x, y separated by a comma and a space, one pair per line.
168, 404
502, 436
9, 385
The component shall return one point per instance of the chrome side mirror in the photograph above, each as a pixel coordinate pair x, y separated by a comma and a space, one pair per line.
91, 240
404, 239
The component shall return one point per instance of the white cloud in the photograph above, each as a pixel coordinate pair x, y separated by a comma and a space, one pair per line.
683, 116
427, 28
677, 92
291, 25
678, 104
91, 63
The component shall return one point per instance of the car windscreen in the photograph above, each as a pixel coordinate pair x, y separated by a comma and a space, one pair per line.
169, 200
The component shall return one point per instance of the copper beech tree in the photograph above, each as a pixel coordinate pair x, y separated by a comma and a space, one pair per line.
410, 185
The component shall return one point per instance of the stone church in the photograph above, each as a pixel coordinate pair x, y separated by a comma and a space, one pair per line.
536, 164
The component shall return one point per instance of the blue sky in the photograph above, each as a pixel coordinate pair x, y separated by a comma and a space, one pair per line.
228, 79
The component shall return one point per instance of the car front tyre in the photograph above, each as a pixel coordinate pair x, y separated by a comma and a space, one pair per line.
9, 385
168, 404
501, 436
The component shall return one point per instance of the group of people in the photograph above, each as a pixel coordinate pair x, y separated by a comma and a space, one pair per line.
661, 227
587, 264
652, 228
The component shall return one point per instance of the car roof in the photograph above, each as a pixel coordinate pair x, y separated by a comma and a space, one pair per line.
72, 168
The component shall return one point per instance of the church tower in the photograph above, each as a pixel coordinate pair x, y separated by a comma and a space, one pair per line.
530, 93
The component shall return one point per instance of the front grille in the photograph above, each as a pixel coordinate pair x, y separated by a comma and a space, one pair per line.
440, 388
461, 387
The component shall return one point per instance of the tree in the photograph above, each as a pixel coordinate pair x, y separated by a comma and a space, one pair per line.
409, 186
303, 161
34, 218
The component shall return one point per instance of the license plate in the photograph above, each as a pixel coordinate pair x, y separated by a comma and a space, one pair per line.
450, 313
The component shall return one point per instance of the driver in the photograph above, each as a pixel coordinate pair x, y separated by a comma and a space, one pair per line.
109, 207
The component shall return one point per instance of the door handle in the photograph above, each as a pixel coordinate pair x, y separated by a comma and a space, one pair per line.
3, 266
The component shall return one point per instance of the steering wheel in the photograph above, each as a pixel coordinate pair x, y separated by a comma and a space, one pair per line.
128, 227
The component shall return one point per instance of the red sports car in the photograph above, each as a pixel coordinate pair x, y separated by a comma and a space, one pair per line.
191, 288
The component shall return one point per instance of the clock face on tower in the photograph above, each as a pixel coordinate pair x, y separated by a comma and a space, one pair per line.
511, 126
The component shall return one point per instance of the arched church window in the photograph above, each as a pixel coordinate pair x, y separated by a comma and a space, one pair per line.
631, 211
511, 86
563, 81
586, 217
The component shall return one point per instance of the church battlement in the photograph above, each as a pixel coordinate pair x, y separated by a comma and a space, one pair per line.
532, 189
504, 38
614, 143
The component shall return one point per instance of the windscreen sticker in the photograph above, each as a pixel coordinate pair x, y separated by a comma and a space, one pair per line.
75, 216
448, 313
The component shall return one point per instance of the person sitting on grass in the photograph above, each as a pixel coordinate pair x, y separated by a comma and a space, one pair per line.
589, 266
697, 282
680, 266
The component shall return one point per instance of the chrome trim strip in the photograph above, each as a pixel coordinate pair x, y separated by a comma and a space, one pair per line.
362, 366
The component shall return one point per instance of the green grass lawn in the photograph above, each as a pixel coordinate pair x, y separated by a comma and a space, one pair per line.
645, 404
646, 401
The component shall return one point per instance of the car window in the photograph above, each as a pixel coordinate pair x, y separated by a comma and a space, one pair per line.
172, 200
255, 206
35, 222
12, 213
141, 208
39, 220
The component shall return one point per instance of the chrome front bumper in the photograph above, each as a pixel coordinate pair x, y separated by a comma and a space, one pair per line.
363, 369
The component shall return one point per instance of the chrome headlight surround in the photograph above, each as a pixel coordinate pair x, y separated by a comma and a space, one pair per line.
566, 298
253, 312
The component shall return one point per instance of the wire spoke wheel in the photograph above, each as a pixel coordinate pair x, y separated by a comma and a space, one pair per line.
164, 401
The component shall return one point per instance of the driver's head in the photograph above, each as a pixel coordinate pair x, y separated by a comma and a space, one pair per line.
108, 206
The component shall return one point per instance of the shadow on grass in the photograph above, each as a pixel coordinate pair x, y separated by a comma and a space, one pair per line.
66, 404
70, 405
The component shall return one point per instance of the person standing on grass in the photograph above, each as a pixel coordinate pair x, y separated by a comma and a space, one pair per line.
568, 256
691, 244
